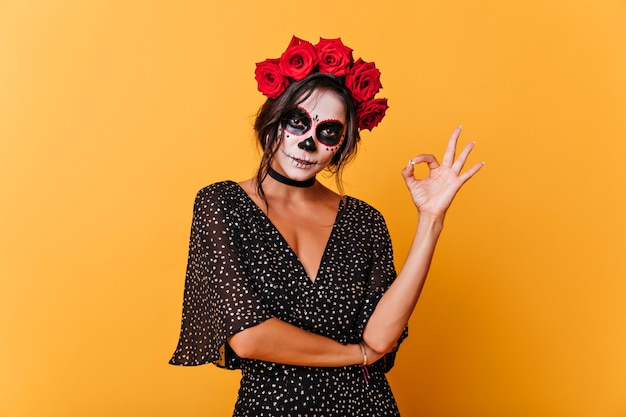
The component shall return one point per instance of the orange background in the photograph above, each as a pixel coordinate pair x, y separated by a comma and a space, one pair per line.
113, 113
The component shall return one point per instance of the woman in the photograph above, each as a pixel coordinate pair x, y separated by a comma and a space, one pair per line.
295, 284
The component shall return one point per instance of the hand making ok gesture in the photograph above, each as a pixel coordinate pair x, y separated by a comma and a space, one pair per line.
433, 194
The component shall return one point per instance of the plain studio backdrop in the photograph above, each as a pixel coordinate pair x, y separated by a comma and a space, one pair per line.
113, 113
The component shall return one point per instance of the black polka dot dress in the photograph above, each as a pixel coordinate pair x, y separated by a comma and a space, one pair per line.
242, 272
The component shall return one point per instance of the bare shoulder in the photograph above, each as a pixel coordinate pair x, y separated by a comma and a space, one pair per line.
247, 185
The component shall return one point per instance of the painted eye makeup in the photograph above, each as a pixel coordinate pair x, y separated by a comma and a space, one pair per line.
329, 133
297, 122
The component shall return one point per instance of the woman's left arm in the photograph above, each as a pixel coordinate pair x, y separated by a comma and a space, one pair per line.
432, 196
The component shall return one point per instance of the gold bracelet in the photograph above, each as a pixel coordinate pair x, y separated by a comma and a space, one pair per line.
364, 354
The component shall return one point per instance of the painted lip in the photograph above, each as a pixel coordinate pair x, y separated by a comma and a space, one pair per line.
299, 161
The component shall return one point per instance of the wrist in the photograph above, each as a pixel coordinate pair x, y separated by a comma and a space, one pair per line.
434, 217
430, 221
355, 354
365, 360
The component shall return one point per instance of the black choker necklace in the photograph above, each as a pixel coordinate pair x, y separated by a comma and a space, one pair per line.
288, 181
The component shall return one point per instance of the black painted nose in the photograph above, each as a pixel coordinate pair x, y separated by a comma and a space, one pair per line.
308, 145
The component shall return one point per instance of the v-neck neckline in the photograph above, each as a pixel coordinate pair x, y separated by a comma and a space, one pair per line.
290, 250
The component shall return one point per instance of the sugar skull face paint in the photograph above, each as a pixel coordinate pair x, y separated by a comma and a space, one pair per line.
298, 121
310, 136
328, 132
308, 145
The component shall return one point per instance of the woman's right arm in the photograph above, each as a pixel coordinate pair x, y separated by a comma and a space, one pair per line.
277, 341
220, 304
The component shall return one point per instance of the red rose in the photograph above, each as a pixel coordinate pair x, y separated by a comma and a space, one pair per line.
271, 81
370, 113
334, 57
298, 60
363, 80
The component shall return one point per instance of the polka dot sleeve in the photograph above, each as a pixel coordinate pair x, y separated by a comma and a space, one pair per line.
218, 299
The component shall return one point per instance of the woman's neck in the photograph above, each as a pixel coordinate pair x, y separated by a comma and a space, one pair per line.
288, 181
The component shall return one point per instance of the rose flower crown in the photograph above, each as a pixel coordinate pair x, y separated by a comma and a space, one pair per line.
331, 56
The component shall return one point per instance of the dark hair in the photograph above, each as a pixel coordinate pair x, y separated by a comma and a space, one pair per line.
268, 123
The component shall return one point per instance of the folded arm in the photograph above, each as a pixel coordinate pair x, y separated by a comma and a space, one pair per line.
277, 341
